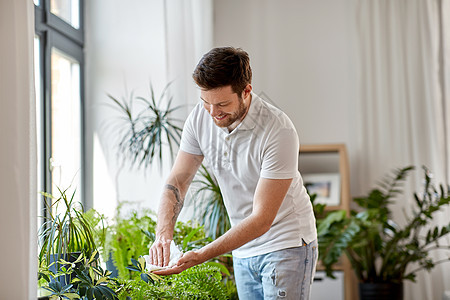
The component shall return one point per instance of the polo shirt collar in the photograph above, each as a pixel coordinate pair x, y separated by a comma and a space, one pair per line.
249, 121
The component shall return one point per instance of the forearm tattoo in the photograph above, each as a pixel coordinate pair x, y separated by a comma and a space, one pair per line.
179, 201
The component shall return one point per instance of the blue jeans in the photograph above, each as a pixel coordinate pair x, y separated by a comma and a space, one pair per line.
283, 274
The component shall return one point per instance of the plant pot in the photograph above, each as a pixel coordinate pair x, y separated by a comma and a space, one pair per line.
110, 266
381, 291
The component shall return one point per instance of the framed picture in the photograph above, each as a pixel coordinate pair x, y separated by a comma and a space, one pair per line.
327, 187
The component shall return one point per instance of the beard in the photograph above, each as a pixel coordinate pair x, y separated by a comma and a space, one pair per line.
233, 117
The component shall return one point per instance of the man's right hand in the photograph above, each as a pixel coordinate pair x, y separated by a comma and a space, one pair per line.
159, 253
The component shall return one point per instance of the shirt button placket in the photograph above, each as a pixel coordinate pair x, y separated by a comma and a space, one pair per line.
226, 153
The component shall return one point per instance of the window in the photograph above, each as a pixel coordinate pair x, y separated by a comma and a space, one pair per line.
59, 70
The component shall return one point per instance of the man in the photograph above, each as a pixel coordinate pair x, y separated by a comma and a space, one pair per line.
252, 148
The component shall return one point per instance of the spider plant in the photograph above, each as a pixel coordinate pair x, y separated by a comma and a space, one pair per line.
64, 233
209, 206
148, 129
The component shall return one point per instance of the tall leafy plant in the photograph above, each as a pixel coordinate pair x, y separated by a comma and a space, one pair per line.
379, 249
66, 232
209, 206
148, 128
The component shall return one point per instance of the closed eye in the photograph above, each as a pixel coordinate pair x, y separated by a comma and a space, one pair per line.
222, 104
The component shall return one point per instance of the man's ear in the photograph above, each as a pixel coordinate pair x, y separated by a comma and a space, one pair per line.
247, 90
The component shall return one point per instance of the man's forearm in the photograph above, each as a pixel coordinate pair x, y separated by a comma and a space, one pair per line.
171, 204
249, 229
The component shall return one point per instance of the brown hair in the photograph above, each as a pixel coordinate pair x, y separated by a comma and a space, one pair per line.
224, 66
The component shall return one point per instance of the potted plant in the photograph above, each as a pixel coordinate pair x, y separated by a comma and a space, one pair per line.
209, 206
148, 128
65, 233
382, 253
69, 266
88, 280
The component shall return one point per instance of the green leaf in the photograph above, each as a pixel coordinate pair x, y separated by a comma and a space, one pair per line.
220, 266
333, 217
72, 296
191, 234
142, 263
145, 277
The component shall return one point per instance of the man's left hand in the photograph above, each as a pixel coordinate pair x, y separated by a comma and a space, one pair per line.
189, 259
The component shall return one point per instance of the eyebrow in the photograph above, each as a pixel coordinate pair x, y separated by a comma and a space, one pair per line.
223, 102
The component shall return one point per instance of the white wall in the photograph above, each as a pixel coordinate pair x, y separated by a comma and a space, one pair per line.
125, 50
18, 157
302, 55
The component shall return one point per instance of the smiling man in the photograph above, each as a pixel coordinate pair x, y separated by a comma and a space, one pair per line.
252, 149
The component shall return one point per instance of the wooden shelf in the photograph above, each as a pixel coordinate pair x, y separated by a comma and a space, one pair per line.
343, 166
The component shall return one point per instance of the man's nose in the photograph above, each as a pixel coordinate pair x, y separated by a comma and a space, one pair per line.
213, 110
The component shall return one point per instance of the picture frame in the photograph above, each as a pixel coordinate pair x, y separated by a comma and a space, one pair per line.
327, 187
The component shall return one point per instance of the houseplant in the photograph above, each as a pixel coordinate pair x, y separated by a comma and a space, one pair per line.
88, 280
148, 128
126, 238
209, 206
69, 266
199, 282
382, 253
132, 232
210, 210
65, 233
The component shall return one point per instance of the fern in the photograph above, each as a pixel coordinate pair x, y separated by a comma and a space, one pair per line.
199, 282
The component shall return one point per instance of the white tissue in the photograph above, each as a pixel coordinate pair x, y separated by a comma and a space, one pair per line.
175, 255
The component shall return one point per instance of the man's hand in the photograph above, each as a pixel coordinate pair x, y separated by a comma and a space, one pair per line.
159, 253
189, 259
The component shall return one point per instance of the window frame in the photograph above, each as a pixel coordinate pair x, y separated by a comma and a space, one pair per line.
53, 32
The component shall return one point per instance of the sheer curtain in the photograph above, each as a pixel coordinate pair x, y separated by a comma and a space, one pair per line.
189, 30
403, 105
188, 35
18, 276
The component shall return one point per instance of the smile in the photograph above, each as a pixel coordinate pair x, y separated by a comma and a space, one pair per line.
221, 117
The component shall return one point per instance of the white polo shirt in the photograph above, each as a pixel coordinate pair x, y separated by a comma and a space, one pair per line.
265, 144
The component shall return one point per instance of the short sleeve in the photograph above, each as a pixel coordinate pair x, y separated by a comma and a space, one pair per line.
189, 142
280, 157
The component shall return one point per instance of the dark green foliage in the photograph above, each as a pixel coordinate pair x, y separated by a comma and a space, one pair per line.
319, 208
209, 206
58, 291
148, 130
89, 280
65, 232
92, 281
379, 249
